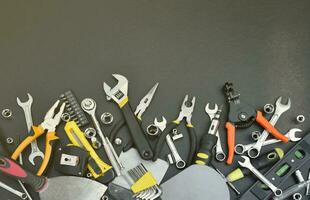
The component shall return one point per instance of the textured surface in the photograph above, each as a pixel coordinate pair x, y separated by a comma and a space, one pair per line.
189, 47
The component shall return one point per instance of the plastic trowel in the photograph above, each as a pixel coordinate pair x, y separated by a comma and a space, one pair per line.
197, 182
57, 188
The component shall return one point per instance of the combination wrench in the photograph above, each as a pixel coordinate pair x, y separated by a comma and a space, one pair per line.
291, 134
247, 164
254, 151
26, 106
13, 191
219, 153
179, 162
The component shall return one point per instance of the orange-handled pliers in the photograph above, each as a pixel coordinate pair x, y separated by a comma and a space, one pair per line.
241, 115
51, 120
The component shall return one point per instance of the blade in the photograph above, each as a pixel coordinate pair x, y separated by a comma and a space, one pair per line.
70, 187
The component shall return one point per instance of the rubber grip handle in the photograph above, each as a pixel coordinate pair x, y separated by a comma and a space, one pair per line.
138, 136
192, 146
231, 131
12, 169
268, 127
162, 139
204, 155
50, 137
36, 132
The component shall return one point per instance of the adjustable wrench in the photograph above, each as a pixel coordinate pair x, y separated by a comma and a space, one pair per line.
254, 151
291, 134
26, 106
247, 164
219, 153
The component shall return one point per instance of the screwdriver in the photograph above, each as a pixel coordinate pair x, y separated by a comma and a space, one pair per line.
208, 141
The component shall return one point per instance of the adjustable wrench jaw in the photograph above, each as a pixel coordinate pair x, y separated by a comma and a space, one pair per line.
119, 92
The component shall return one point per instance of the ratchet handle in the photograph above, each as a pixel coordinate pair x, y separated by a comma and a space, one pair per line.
162, 138
231, 131
12, 169
204, 154
138, 136
50, 138
36, 132
269, 127
193, 144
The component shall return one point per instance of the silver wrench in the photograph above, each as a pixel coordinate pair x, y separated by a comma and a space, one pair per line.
247, 164
26, 106
13, 191
254, 151
219, 153
179, 162
291, 134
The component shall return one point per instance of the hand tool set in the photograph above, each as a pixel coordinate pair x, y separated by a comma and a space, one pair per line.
100, 165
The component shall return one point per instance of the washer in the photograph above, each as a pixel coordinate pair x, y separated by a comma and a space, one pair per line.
300, 118
7, 113
106, 118
269, 108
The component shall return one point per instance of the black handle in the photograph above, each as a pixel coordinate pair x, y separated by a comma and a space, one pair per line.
139, 138
193, 145
162, 138
12, 169
204, 154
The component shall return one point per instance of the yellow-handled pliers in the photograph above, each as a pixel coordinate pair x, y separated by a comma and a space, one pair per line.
51, 120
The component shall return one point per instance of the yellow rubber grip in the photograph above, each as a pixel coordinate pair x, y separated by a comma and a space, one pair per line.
37, 132
123, 103
50, 136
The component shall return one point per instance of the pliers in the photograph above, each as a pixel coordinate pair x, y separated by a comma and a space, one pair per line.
49, 125
242, 115
141, 108
186, 112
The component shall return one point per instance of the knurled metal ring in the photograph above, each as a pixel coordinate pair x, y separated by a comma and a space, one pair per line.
6, 113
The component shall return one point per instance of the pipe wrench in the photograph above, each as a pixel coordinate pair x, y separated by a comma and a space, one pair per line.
26, 106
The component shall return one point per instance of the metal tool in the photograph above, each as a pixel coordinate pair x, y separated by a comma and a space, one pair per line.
291, 190
70, 187
291, 135
89, 106
119, 95
300, 178
254, 151
228, 182
179, 162
141, 108
269, 108
13, 191
186, 112
247, 164
242, 115
106, 118
308, 185
219, 153
7, 113
255, 135
51, 121
26, 106
300, 118
297, 196
152, 130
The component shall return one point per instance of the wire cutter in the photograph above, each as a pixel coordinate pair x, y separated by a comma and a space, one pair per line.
141, 108
186, 112
242, 115
49, 124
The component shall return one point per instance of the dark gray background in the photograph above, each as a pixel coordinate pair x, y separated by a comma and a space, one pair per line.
189, 47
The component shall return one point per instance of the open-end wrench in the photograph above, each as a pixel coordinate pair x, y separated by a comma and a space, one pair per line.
254, 151
13, 191
291, 134
26, 106
219, 153
247, 164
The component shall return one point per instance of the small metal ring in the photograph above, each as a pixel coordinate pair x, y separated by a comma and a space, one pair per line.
106, 118
89, 175
95, 143
7, 113
65, 117
104, 197
239, 149
9, 140
174, 131
269, 108
297, 196
24, 196
90, 132
255, 135
180, 164
152, 130
220, 156
300, 118
118, 141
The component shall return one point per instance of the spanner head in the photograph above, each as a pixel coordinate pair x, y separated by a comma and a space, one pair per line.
292, 134
246, 162
283, 107
33, 155
211, 112
26, 103
162, 124
119, 92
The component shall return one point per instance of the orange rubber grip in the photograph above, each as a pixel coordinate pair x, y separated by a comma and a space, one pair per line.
37, 132
268, 127
50, 136
230, 141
